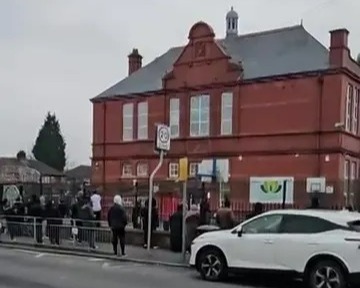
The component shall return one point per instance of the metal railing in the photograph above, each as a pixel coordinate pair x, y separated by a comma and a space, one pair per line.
64, 232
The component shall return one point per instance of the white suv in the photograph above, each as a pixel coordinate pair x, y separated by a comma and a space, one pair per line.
322, 247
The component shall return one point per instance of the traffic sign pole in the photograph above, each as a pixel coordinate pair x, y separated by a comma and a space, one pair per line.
162, 144
151, 188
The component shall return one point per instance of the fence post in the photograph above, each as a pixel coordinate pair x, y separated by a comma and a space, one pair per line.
34, 233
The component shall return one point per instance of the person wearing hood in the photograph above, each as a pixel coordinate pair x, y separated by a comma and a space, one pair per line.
117, 221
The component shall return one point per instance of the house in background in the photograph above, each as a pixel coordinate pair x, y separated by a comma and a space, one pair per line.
78, 177
20, 175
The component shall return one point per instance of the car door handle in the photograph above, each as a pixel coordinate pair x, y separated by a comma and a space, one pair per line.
268, 241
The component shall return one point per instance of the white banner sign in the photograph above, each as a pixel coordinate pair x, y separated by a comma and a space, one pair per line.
271, 189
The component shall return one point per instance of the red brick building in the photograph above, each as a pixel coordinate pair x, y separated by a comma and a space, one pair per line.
275, 103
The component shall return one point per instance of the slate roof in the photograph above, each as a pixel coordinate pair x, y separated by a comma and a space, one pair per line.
79, 172
44, 169
264, 54
41, 167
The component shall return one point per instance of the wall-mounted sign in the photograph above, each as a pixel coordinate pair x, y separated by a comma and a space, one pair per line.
271, 190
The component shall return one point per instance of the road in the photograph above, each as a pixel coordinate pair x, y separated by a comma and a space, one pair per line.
28, 269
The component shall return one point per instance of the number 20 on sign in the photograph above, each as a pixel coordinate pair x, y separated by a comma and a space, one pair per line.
162, 137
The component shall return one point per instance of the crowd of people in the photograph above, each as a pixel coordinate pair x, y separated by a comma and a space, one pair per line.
85, 214
46, 219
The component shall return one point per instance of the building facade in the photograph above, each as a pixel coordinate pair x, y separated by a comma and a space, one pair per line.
275, 103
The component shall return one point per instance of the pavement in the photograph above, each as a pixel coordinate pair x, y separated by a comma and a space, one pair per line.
133, 253
21, 268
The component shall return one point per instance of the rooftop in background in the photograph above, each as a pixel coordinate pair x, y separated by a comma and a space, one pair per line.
41, 167
264, 54
79, 172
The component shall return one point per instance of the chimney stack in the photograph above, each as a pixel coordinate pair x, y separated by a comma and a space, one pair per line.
339, 50
135, 61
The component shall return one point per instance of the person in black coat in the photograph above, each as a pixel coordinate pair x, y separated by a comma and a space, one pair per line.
87, 218
258, 209
54, 221
117, 221
19, 212
176, 229
37, 212
154, 222
63, 209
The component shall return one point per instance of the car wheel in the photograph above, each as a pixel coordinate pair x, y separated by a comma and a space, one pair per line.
212, 265
326, 274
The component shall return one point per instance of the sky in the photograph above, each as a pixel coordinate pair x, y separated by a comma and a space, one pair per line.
57, 54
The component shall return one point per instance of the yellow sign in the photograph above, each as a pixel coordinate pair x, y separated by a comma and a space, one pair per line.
183, 169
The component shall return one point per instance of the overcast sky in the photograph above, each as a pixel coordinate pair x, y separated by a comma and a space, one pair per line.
57, 54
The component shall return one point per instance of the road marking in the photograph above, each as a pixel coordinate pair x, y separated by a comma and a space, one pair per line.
40, 255
27, 251
105, 265
96, 260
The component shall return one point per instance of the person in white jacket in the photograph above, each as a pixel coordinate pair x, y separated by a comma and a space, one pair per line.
96, 205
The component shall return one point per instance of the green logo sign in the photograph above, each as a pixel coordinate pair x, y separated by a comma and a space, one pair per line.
271, 186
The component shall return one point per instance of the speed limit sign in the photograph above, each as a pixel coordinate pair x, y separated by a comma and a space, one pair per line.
162, 137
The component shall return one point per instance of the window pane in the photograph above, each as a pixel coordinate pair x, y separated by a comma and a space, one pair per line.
226, 113
199, 115
194, 129
348, 112
204, 129
194, 102
226, 99
265, 224
174, 117
174, 104
296, 224
128, 110
173, 170
204, 116
142, 169
194, 116
142, 120
174, 130
205, 99
226, 128
127, 170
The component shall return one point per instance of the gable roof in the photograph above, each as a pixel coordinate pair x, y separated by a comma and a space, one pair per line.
264, 54
44, 169
79, 172
41, 167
